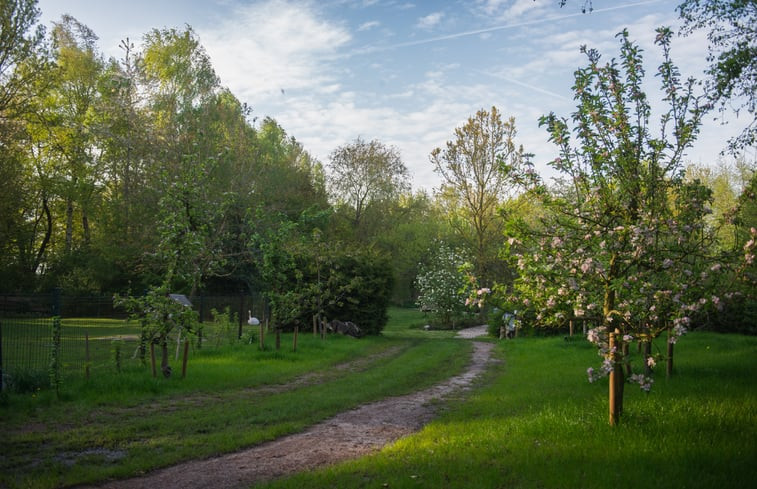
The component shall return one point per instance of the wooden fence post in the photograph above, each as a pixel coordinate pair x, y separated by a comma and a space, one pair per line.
152, 359
86, 355
184, 360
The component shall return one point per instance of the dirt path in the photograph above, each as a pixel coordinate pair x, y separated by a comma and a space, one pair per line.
347, 435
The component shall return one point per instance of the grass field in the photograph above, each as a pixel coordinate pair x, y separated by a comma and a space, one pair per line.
233, 396
540, 424
535, 422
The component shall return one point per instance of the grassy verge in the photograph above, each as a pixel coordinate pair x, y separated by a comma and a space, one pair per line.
539, 423
233, 397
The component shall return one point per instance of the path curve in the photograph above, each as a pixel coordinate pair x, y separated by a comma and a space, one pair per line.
347, 435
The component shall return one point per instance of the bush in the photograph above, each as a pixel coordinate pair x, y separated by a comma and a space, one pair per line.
366, 303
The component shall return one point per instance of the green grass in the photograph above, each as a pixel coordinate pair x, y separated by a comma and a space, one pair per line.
120, 425
535, 422
540, 424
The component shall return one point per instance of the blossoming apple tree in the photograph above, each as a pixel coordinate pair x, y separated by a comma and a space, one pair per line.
623, 242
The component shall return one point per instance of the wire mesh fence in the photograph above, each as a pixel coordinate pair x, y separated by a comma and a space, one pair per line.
95, 338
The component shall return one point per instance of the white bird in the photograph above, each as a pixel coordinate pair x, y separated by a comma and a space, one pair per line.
253, 321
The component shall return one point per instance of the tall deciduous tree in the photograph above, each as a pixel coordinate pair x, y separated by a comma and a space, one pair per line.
478, 168
625, 244
364, 173
25, 223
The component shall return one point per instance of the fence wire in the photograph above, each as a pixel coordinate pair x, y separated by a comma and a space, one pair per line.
91, 331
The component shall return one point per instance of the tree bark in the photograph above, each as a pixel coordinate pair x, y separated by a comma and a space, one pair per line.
616, 384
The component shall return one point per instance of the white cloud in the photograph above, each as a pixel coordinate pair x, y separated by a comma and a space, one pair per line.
273, 45
430, 21
512, 10
366, 26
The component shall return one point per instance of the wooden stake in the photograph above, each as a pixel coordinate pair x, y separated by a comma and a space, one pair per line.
152, 359
86, 355
615, 377
296, 331
184, 360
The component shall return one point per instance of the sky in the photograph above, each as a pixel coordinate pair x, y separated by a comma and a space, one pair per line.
405, 72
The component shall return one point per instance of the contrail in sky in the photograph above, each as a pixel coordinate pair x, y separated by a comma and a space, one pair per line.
530, 86
374, 49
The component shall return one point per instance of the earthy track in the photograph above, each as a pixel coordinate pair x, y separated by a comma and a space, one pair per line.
350, 434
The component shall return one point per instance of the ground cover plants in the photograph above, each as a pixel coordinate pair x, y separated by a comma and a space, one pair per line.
539, 423
236, 396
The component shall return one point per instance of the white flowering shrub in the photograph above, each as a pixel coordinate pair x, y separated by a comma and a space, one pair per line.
442, 285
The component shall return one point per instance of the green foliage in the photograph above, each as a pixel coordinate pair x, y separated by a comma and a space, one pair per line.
480, 169
732, 56
158, 315
364, 174
307, 276
225, 327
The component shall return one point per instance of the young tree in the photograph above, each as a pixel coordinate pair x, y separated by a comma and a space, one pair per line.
625, 243
478, 169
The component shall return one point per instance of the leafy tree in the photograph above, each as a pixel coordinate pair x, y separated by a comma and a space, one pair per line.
22, 56
478, 169
411, 224
727, 182
25, 218
625, 245
362, 174
732, 55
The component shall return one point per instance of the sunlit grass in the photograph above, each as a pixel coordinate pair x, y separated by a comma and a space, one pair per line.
540, 424
233, 397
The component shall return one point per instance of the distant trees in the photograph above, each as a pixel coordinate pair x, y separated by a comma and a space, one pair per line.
363, 174
478, 169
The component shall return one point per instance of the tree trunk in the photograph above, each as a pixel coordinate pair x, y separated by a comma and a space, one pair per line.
85, 227
69, 226
616, 384
164, 358
46, 240
669, 362
647, 349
